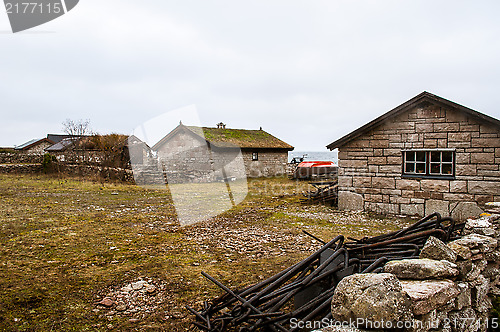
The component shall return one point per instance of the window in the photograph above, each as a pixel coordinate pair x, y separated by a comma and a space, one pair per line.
255, 156
429, 163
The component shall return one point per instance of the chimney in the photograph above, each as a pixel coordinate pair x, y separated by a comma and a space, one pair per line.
221, 125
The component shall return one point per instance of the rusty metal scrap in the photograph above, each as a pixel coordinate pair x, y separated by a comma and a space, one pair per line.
304, 291
324, 192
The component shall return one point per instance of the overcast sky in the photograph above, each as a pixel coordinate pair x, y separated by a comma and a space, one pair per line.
308, 72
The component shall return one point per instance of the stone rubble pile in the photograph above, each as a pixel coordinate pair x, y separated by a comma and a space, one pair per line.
134, 300
449, 288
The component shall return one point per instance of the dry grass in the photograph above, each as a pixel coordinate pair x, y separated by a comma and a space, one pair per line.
66, 242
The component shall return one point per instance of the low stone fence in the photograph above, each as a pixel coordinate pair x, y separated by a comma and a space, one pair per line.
448, 289
21, 168
91, 172
20, 158
111, 173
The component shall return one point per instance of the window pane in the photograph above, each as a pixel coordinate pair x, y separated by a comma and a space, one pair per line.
410, 167
447, 156
435, 168
447, 169
435, 156
420, 168
410, 156
420, 155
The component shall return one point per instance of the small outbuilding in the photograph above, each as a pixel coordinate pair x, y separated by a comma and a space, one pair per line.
428, 154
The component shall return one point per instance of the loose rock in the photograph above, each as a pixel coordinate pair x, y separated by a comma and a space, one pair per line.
374, 297
421, 269
438, 250
476, 241
107, 302
427, 295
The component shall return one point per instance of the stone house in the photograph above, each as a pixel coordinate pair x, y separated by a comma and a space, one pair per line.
197, 151
428, 154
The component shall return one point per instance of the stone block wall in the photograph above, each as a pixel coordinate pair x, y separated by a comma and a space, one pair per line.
448, 289
370, 166
269, 163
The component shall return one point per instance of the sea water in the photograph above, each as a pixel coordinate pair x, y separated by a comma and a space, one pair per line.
314, 155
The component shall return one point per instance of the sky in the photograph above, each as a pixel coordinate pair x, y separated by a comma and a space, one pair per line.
307, 72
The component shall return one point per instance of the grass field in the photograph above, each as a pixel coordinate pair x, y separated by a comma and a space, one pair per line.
67, 243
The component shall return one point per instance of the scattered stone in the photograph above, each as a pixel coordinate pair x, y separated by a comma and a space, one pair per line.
438, 250
107, 302
421, 269
121, 307
134, 320
134, 299
427, 295
374, 297
150, 289
138, 285
126, 289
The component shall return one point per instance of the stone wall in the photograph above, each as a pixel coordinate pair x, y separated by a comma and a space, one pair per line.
20, 158
20, 168
370, 166
269, 163
448, 289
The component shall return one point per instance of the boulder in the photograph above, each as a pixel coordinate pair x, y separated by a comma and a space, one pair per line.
438, 250
464, 210
427, 295
349, 201
421, 269
476, 241
371, 297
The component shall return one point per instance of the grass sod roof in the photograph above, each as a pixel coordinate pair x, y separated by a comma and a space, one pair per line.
242, 138
224, 137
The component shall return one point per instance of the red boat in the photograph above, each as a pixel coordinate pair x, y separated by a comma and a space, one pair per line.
309, 169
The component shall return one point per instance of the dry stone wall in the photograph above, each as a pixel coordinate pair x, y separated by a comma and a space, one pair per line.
448, 289
20, 158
